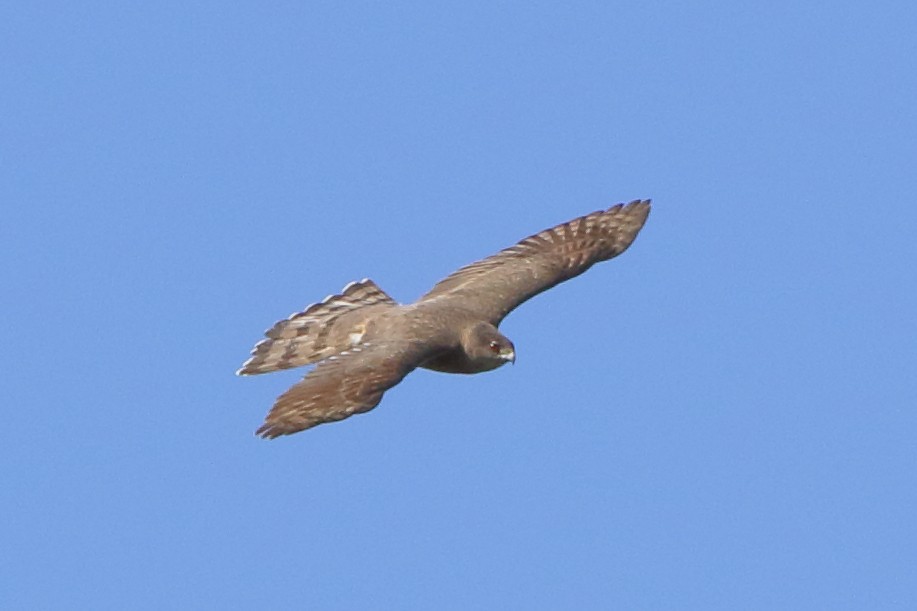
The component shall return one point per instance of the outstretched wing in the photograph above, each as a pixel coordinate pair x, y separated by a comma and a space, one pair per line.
342, 385
494, 286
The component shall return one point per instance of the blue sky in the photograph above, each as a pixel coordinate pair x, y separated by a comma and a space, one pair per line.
723, 417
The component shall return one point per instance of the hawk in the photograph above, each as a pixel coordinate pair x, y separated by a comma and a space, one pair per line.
365, 343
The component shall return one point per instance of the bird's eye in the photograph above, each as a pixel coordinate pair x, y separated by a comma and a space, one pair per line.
495, 346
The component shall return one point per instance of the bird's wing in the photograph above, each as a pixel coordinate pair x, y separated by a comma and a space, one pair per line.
347, 383
494, 286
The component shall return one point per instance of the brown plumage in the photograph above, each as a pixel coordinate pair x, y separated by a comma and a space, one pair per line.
365, 343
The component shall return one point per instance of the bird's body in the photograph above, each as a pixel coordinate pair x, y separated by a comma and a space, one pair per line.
364, 342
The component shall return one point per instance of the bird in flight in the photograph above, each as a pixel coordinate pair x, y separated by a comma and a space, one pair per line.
365, 343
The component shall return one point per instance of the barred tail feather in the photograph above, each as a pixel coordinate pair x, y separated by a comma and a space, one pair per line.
315, 333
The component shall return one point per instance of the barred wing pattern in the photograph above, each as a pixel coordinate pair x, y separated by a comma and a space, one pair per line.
363, 343
494, 286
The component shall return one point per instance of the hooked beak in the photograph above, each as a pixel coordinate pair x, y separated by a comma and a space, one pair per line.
509, 356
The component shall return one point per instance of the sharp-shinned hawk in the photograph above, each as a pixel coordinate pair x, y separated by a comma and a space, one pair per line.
365, 343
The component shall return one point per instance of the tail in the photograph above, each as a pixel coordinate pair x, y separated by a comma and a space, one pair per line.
321, 330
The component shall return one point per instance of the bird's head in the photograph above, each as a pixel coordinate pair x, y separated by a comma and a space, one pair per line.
487, 347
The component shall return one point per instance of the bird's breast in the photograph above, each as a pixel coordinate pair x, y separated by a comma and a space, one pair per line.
456, 361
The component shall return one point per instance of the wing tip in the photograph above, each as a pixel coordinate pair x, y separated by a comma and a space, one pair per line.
279, 428
638, 209
637, 204
267, 431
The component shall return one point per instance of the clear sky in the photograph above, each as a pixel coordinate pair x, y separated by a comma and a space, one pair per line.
725, 417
